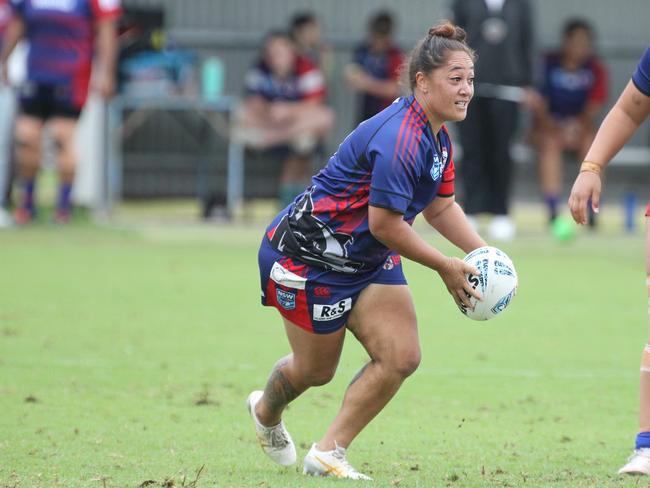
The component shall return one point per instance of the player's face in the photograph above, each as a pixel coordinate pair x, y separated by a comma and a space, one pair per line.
280, 56
451, 87
577, 46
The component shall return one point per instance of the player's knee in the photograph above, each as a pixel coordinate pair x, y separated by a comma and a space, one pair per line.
321, 376
407, 362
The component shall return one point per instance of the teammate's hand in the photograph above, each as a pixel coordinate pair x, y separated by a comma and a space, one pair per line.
105, 85
453, 274
587, 186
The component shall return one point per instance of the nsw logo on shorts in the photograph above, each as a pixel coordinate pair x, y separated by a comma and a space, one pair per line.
286, 299
330, 312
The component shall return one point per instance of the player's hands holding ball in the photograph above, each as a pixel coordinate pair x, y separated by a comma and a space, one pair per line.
454, 274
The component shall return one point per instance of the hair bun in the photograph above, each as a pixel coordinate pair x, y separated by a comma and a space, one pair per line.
448, 30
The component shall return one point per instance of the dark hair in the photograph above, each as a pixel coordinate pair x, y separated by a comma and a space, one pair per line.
381, 24
274, 34
431, 51
572, 25
299, 20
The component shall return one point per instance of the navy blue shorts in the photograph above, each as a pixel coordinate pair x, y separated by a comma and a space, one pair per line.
316, 299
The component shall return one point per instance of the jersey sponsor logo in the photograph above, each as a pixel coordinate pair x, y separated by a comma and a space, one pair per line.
286, 299
61, 5
324, 313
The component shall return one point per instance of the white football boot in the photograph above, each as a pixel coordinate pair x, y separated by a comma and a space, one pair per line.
638, 463
275, 441
330, 463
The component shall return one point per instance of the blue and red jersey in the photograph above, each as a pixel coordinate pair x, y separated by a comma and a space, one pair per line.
306, 82
569, 92
392, 160
641, 76
383, 65
61, 34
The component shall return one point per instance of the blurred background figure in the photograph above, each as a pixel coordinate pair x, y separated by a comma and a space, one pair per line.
283, 109
305, 31
375, 68
574, 87
501, 32
7, 109
63, 36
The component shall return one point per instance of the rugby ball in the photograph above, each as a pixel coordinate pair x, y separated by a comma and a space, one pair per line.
497, 282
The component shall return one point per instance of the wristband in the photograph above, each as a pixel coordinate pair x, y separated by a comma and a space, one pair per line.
591, 167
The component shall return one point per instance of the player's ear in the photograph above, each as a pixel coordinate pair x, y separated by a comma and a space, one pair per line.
422, 82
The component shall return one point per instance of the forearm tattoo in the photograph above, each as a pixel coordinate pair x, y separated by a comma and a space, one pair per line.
279, 392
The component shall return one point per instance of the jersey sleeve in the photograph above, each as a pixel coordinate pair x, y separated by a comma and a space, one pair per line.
599, 91
396, 168
106, 9
641, 77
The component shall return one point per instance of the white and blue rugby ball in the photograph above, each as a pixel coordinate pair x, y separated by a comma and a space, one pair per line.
497, 282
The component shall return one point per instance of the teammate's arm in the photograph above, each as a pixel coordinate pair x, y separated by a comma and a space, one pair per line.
446, 216
629, 112
389, 228
106, 46
14, 33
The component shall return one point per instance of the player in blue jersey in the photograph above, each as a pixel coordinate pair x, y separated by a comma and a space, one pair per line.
64, 35
331, 260
630, 111
574, 90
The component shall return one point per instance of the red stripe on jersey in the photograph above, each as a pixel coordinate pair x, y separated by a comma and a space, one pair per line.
400, 134
415, 143
402, 146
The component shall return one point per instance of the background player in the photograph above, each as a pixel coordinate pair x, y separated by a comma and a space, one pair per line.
331, 260
630, 111
574, 90
374, 70
63, 36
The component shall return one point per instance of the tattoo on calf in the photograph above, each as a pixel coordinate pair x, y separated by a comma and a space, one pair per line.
279, 392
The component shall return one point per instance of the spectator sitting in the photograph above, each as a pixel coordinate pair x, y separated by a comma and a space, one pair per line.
375, 68
574, 87
305, 32
284, 108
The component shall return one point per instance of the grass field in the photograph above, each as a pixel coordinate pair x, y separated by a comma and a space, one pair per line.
127, 352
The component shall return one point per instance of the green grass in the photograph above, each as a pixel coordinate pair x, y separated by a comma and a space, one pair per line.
126, 355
